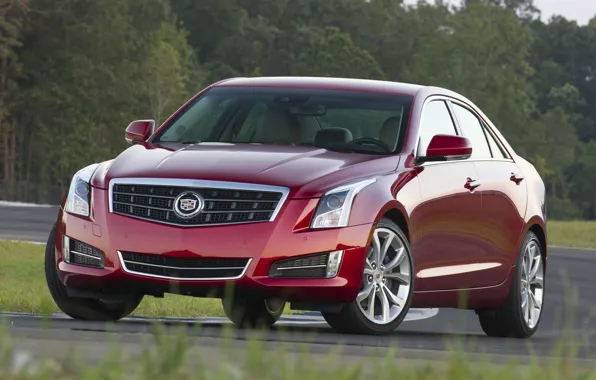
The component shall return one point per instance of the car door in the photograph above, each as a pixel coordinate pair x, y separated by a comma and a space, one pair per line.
445, 247
503, 196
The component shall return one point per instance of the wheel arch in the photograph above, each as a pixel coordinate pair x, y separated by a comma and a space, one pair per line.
537, 226
397, 217
538, 230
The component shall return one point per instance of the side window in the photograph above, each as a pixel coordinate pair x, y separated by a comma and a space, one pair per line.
473, 130
494, 147
436, 120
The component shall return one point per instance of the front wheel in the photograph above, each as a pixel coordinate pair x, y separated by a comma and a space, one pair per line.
253, 312
520, 315
387, 286
83, 308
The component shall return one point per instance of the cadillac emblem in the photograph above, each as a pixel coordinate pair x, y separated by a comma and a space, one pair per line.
188, 204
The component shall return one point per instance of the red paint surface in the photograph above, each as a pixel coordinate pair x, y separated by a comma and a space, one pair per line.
139, 130
445, 145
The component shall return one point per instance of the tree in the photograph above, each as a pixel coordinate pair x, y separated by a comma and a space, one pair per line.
490, 68
74, 73
11, 15
168, 65
88, 69
309, 51
583, 179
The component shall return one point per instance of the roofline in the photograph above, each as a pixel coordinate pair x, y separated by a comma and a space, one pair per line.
311, 81
420, 89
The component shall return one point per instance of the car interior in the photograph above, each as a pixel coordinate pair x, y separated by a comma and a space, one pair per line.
328, 123
281, 126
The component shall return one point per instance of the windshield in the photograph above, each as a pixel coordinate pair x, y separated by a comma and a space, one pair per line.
346, 121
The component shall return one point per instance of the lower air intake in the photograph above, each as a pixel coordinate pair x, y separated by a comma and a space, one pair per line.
84, 254
311, 266
183, 268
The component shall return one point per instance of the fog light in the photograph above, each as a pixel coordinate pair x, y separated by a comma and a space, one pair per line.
66, 248
333, 263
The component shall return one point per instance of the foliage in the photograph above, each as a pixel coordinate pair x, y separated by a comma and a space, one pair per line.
74, 73
180, 352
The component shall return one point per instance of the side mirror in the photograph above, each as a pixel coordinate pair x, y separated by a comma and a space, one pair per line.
139, 131
447, 148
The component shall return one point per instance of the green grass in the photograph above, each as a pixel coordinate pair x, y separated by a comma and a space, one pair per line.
580, 234
23, 287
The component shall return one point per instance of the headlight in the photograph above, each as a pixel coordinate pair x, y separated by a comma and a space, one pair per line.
79, 193
334, 207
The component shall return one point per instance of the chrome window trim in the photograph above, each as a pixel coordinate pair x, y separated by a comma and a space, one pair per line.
123, 265
430, 99
454, 100
197, 184
485, 127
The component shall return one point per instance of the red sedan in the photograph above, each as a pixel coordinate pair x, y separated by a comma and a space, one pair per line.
356, 198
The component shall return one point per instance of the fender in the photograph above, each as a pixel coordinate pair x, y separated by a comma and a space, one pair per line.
395, 191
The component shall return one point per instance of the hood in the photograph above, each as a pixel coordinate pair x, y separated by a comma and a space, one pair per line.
277, 165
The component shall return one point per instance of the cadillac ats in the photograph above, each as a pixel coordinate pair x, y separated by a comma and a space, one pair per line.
356, 198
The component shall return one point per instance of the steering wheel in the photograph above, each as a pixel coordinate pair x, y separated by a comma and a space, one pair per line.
371, 140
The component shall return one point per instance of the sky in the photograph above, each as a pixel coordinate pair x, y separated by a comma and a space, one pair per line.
579, 10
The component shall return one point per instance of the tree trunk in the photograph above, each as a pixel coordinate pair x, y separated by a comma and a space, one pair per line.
28, 169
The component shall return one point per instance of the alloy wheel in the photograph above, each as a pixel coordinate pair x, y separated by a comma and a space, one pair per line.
532, 284
386, 281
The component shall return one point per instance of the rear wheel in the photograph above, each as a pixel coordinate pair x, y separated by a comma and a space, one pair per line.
521, 313
253, 311
83, 308
387, 286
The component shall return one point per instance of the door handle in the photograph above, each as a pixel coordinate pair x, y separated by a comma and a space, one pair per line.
516, 177
471, 184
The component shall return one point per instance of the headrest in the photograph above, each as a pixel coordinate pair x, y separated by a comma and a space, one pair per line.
328, 136
389, 131
279, 127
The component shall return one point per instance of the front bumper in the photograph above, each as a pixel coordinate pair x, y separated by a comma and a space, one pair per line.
262, 243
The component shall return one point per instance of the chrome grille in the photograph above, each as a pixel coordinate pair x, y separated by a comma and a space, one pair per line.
224, 203
183, 268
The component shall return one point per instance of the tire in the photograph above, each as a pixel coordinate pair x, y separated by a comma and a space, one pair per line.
83, 308
352, 318
253, 312
509, 320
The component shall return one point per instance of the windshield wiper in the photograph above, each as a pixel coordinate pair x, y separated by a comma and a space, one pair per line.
191, 142
347, 148
350, 149
178, 142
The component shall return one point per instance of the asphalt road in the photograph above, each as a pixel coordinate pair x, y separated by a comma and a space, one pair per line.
26, 223
570, 309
